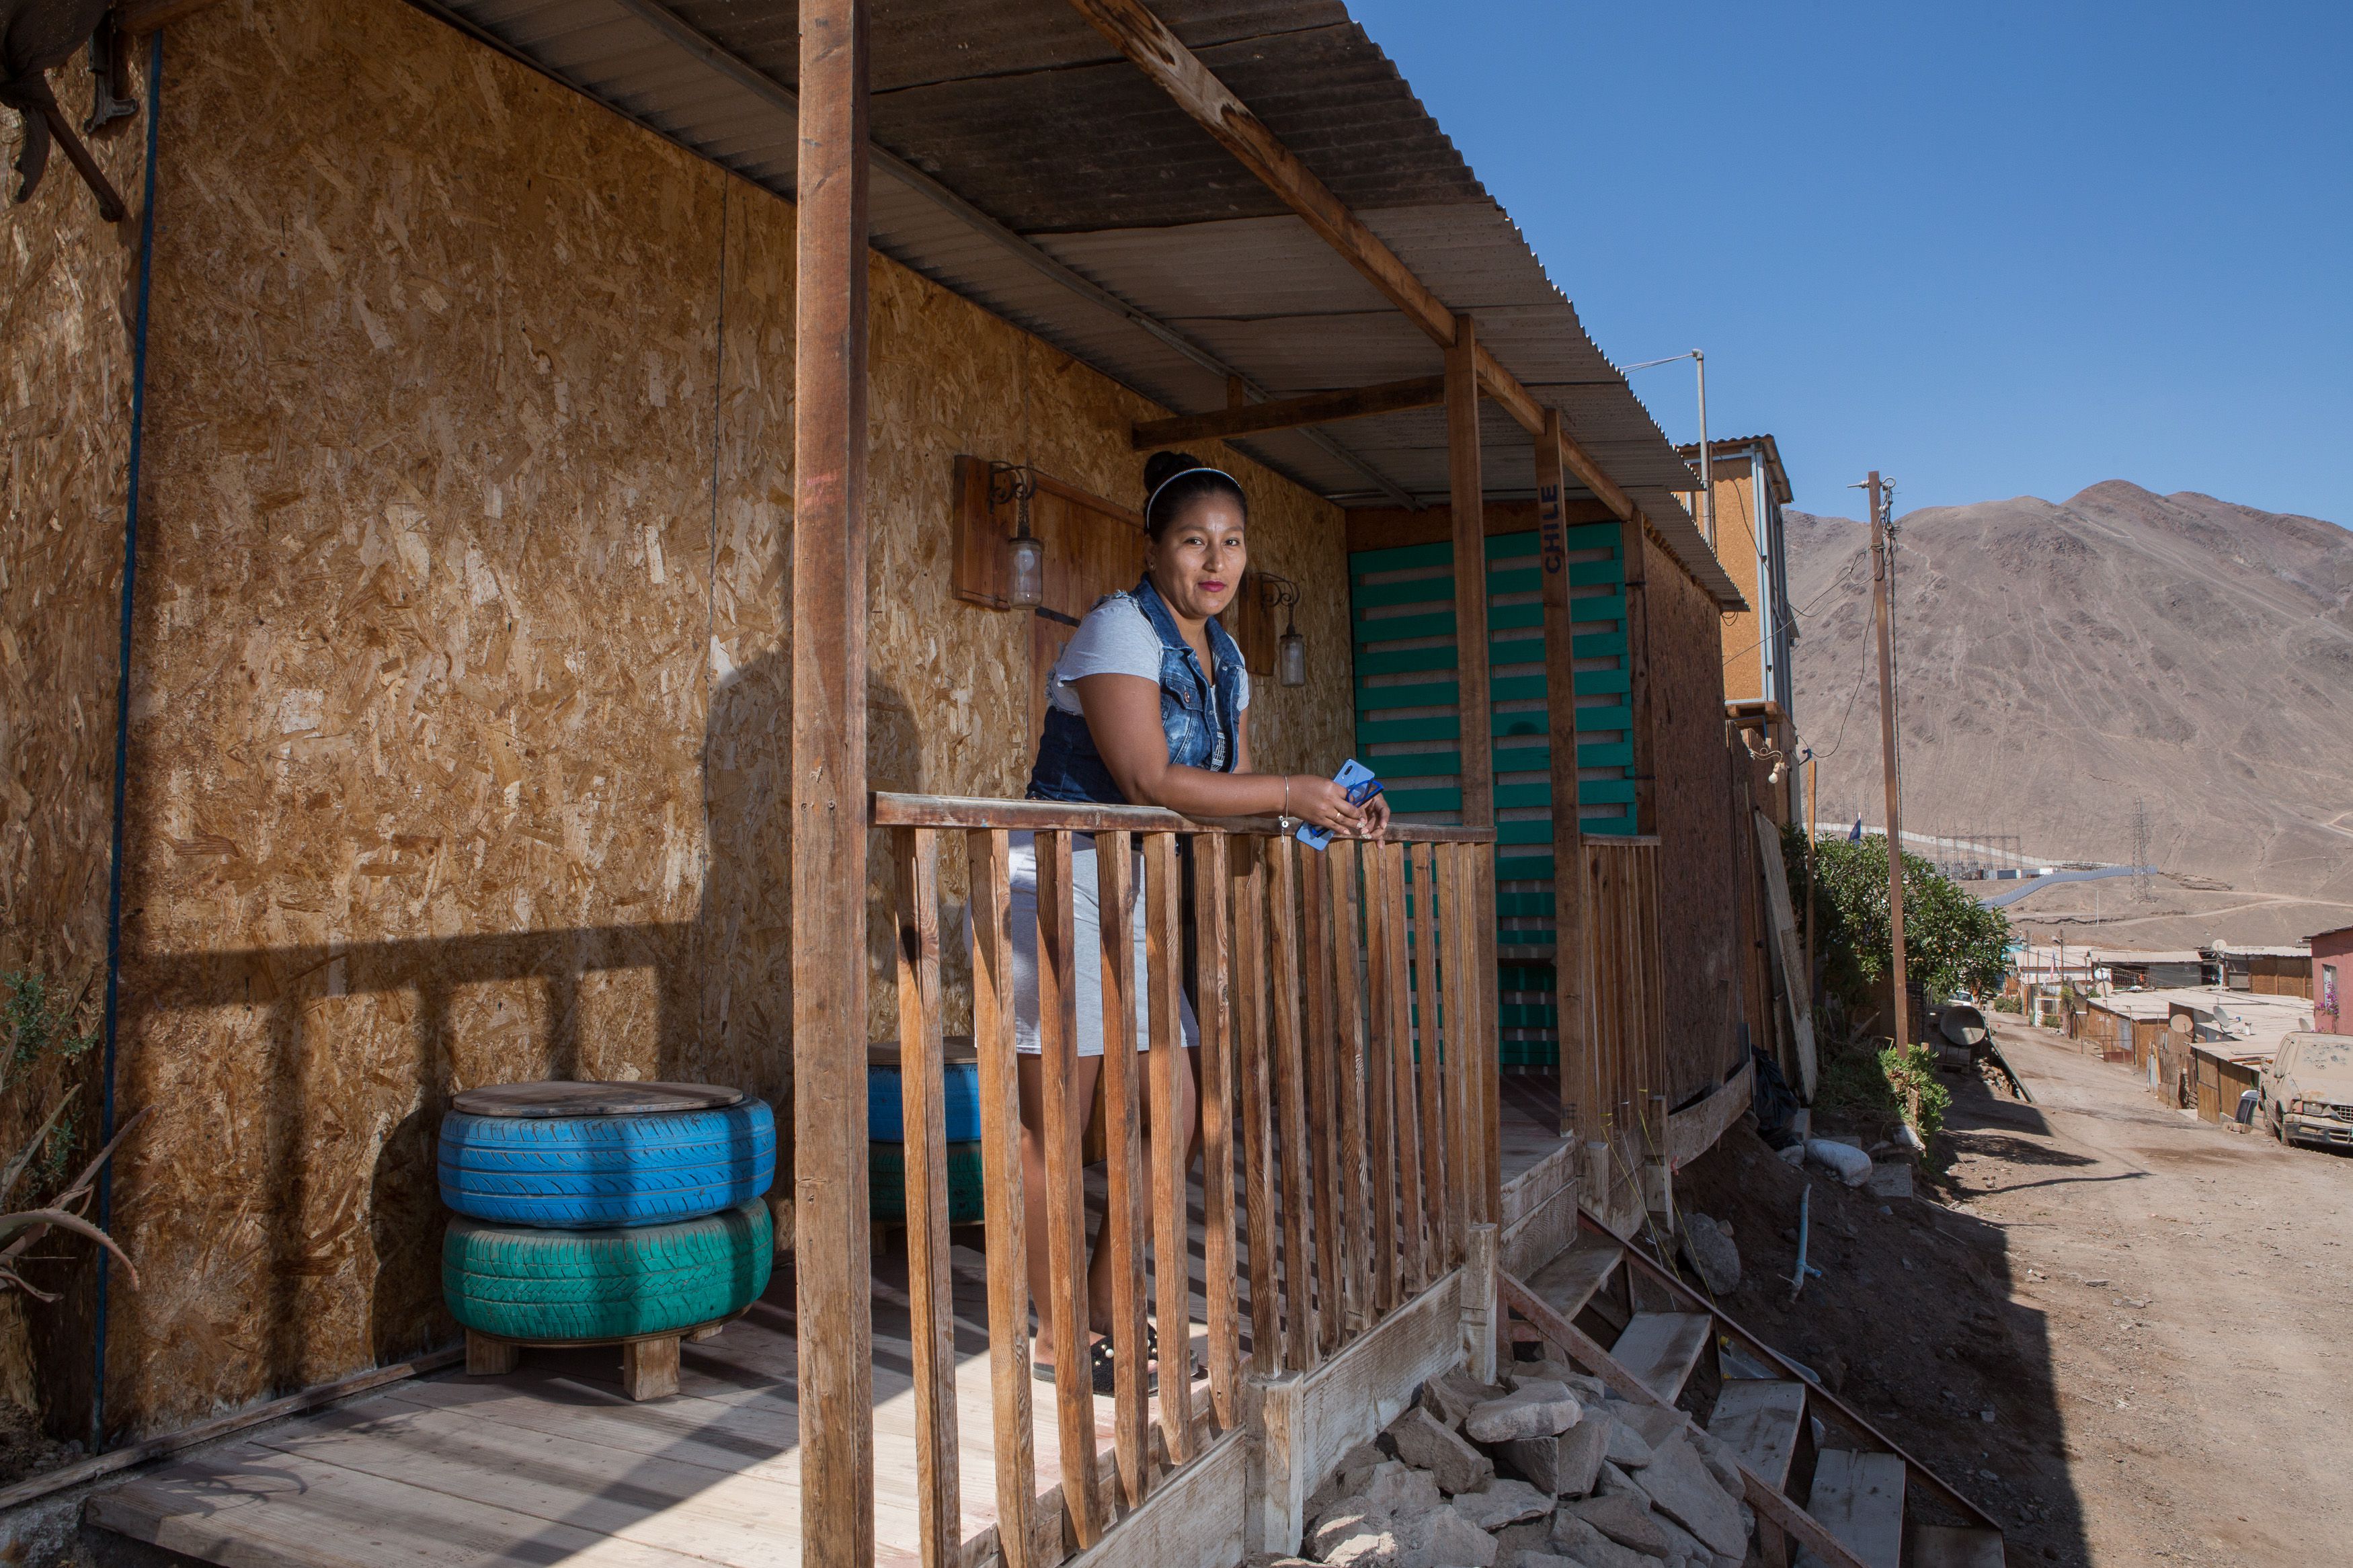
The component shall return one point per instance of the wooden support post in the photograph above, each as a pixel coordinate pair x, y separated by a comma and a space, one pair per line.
1485, 1053
833, 1264
988, 859
1467, 487
1578, 1104
1284, 1484
649, 1368
1480, 1315
487, 1357
930, 1300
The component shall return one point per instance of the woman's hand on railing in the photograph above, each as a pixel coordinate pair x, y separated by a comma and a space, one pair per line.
1325, 804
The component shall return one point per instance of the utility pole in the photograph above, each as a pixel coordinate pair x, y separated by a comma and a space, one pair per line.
1883, 596
1813, 792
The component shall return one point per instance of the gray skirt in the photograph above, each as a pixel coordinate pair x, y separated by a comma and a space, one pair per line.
1087, 919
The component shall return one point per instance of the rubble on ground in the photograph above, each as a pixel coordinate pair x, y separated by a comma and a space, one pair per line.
1547, 1469
1708, 1247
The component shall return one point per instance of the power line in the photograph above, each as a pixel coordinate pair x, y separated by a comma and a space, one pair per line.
1780, 626
1861, 676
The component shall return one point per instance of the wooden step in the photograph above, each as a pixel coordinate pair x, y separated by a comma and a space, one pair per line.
1758, 1419
1661, 1349
1951, 1546
1568, 1281
1858, 1498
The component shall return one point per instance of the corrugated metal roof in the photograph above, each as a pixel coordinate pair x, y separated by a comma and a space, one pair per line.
1724, 447
1012, 137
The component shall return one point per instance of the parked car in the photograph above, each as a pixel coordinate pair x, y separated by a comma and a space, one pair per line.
2306, 1094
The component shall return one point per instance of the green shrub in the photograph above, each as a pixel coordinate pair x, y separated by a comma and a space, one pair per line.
2008, 1004
1951, 942
1913, 1082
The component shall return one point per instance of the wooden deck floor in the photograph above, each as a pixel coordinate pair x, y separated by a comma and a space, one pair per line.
1530, 1120
552, 1464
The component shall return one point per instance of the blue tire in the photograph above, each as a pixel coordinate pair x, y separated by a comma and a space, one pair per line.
581, 1173
959, 1097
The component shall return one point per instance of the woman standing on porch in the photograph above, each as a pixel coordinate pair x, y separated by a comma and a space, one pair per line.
1148, 705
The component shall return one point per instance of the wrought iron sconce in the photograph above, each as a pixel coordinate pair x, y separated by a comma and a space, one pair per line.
1290, 650
1014, 484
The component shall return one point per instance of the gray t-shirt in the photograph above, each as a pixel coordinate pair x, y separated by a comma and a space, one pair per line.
1116, 638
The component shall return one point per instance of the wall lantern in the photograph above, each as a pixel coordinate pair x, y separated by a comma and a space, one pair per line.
1026, 553
1290, 648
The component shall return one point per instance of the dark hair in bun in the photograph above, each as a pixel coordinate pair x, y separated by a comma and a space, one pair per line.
1168, 496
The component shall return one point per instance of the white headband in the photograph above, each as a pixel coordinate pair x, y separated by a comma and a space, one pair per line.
1202, 468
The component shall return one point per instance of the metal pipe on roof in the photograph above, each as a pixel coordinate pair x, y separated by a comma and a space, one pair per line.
1768, 608
1707, 462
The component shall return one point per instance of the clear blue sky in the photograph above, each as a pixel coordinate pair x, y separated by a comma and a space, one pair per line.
1994, 249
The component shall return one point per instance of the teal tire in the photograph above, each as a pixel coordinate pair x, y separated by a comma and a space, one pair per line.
519, 1282
886, 1183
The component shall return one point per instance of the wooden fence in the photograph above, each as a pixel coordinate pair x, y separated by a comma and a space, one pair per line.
1621, 1071
1346, 1037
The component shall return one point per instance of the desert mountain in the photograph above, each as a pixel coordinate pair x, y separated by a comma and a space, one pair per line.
2058, 661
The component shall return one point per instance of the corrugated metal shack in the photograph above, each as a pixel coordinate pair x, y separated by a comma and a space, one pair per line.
2279, 970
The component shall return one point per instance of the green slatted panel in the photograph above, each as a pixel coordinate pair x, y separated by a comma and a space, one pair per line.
1409, 729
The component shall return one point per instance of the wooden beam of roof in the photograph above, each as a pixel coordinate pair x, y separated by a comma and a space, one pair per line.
718, 57
1288, 413
1146, 41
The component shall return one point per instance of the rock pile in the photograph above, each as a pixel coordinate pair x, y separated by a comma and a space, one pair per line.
1549, 1470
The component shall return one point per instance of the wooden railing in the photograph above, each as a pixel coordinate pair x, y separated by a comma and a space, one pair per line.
1617, 1079
1343, 1001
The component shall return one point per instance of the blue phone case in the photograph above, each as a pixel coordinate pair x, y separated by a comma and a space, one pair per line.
1361, 785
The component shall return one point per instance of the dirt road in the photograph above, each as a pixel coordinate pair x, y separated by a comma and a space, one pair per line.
2196, 1287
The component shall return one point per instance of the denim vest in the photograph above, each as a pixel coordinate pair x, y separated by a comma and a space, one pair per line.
1070, 768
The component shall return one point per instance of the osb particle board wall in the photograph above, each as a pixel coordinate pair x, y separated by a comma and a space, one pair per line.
462, 684
1699, 860
67, 282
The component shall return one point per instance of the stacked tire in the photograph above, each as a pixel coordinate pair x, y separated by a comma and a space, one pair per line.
886, 1135
598, 1212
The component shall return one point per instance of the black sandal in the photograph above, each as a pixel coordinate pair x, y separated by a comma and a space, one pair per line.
1099, 1368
